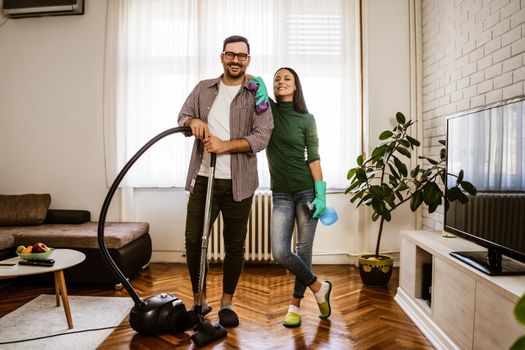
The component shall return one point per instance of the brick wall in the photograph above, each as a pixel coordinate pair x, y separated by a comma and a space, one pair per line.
473, 54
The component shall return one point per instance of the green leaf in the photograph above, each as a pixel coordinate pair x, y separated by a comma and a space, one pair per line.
353, 185
377, 192
453, 194
518, 344
430, 160
519, 310
462, 197
393, 171
413, 141
377, 205
401, 167
432, 208
351, 173
404, 152
399, 195
385, 134
360, 174
360, 160
402, 186
443, 153
416, 200
414, 171
404, 143
356, 196
400, 118
467, 186
432, 194
460, 176
443, 142
379, 151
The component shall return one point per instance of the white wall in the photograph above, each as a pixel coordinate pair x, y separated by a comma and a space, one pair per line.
473, 55
51, 126
51, 72
387, 50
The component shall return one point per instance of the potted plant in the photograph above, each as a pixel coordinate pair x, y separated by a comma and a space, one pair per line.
383, 182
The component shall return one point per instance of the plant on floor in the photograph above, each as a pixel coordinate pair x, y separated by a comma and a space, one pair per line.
383, 182
519, 313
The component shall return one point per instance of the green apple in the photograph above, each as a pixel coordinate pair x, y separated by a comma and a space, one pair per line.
20, 248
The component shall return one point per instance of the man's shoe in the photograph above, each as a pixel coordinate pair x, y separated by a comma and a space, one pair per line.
292, 320
324, 308
228, 318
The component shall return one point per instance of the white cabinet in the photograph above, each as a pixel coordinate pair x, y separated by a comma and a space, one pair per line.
468, 309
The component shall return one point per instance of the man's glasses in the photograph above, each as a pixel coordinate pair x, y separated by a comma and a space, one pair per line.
231, 55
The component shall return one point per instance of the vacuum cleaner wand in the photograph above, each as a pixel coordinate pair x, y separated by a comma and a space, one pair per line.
159, 314
206, 332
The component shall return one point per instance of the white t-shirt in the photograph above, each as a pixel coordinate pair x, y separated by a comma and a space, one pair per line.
219, 126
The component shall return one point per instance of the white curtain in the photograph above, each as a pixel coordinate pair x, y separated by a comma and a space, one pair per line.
490, 147
157, 51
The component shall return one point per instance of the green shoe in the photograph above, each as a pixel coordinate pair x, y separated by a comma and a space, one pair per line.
292, 320
324, 308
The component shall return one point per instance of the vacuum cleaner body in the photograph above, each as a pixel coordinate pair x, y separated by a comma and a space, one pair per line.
160, 314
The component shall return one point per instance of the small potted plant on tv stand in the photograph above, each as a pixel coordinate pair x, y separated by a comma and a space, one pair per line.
383, 182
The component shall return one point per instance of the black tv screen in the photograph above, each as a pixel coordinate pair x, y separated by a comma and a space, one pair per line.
489, 146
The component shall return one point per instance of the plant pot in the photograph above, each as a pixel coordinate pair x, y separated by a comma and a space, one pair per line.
375, 271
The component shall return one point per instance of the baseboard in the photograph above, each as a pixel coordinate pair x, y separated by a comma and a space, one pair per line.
168, 257
317, 259
421, 319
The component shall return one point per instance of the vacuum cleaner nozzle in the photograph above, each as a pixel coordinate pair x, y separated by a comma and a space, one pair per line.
207, 333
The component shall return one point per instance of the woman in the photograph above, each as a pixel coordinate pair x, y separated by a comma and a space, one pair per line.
296, 182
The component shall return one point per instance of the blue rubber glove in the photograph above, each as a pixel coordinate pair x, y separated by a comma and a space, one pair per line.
320, 199
261, 94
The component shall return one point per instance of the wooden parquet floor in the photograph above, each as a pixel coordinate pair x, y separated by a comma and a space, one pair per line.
362, 317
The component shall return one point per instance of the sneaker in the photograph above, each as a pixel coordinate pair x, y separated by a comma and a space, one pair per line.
292, 320
324, 308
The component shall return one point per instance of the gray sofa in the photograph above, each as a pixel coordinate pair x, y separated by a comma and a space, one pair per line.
26, 219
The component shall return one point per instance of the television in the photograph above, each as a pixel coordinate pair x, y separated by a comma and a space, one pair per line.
488, 145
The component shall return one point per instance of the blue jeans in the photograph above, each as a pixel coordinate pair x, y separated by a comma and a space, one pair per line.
287, 209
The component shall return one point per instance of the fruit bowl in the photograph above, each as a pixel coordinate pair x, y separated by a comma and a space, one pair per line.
37, 256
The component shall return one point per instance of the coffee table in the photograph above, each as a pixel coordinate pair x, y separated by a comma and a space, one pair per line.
64, 258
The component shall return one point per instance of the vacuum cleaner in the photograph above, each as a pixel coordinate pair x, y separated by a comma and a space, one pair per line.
164, 313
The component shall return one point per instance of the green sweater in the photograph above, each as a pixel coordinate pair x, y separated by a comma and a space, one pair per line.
293, 145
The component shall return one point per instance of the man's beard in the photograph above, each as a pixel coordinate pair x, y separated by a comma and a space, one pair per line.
239, 74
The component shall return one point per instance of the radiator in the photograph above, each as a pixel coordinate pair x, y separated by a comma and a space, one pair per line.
258, 245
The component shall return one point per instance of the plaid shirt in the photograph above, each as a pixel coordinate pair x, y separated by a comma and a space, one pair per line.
244, 123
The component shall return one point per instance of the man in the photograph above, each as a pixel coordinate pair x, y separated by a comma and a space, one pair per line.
222, 115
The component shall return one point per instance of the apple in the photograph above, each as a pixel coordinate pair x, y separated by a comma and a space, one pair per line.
39, 248
20, 248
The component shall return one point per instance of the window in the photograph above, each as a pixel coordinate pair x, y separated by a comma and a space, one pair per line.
157, 51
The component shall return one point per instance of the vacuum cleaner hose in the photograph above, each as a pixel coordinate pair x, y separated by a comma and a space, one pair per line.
107, 202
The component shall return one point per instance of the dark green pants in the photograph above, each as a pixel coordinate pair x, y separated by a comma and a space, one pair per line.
235, 216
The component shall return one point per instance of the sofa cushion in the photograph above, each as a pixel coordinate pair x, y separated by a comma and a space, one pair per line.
24, 209
116, 234
7, 241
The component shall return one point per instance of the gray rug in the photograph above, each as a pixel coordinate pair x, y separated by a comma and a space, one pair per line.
41, 317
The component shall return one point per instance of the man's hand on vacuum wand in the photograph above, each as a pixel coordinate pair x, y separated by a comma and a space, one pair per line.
199, 128
213, 144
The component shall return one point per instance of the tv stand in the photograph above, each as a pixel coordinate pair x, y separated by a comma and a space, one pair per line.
469, 309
